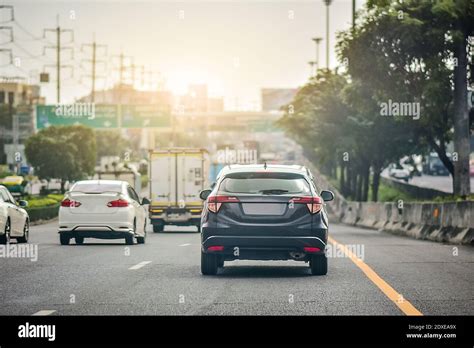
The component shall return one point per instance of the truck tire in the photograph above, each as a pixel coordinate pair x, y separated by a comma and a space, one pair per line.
208, 264
158, 228
319, 265
64, 239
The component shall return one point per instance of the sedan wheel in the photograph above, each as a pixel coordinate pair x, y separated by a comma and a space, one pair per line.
26, 233
5, 237
141, 240
129, 239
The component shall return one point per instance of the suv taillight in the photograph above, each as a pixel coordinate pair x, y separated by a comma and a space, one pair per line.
118, 203
314, 204
214, 202
70, 204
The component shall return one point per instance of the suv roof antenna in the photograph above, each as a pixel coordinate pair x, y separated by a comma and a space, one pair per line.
265, 165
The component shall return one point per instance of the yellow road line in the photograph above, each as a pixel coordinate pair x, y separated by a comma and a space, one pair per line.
405, 306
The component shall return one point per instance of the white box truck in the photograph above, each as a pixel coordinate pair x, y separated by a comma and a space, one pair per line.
176, 176
131, 176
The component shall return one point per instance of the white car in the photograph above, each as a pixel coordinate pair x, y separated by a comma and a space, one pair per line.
398, 172
14, 220
105, 209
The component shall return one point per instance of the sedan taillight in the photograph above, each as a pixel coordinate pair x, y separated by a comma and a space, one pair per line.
214, 202
70, 203
314, 204
118, 203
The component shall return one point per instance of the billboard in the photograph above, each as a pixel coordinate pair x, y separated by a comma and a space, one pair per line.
274, 98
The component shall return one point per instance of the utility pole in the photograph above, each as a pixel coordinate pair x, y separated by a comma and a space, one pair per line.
122, 70
317, 41
132, 69
58, 31
328, 3
142, 76
93, 61
151, 78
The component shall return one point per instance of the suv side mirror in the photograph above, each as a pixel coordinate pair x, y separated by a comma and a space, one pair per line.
145, 201
204, 194
22, 203
327, 196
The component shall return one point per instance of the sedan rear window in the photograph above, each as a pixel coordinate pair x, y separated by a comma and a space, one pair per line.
96, 188
265, 183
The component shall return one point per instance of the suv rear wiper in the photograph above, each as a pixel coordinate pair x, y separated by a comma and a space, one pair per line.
273, 191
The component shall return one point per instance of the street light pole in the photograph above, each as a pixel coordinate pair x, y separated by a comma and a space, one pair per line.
311, 71
317, 40
353, 13
328, 3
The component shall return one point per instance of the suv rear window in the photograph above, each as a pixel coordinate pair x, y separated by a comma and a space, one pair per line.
265, 183
96, 188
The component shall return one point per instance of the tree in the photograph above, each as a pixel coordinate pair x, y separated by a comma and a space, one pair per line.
405, 51
338, 121
67, 153
110, 143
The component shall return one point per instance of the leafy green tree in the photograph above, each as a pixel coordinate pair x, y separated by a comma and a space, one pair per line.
111, 143
415, 51
337, 120
66, 152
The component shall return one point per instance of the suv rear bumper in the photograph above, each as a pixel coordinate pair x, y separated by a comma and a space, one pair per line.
264, 248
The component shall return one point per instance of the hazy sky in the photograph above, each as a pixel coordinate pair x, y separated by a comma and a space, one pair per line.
236, 47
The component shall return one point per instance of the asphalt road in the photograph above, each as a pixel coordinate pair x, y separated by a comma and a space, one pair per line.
163, 277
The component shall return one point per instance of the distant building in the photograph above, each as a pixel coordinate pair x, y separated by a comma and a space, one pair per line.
17, 122
274, 98
126, 94
197, 100
18, 93
215, 104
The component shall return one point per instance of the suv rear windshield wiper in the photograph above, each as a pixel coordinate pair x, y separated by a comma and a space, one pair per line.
273, 191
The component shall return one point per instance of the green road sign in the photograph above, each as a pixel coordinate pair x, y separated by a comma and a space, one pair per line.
145, 116
103, 116
98, 116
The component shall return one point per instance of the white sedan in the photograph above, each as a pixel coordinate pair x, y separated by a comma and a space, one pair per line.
105, 209
14, 220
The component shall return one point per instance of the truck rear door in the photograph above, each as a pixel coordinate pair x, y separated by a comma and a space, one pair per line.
163, 178
190, 178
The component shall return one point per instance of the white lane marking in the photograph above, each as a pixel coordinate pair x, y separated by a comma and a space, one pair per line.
140, 265
45, 312
185, 244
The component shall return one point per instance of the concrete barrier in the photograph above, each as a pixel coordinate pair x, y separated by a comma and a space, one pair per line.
441, 222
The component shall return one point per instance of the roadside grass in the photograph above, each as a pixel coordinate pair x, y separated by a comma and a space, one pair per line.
391, 194
386, 193
43, 201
